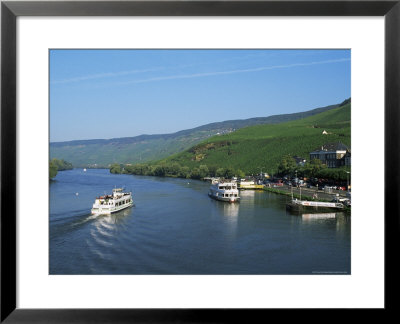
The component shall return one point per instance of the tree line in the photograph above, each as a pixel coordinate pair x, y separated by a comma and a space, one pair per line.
56, 165
311, 169
176, 170
286, 167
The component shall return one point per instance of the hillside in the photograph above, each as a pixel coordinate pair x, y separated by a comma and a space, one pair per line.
261, 147
143, 148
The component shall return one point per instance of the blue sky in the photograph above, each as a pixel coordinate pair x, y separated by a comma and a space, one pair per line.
121, 93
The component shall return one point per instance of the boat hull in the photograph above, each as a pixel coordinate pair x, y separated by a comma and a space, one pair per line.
313, 206
251, 187
226, 199
109, 211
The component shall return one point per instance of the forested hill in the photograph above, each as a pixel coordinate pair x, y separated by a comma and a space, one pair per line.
143, 148
262, 147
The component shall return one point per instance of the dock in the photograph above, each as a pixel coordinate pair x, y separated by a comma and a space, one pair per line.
296, 204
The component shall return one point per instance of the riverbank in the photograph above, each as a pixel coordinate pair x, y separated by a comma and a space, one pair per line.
301, 197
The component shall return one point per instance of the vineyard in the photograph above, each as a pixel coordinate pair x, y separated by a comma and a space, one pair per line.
258, 148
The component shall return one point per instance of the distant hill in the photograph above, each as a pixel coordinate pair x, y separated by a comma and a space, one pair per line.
261, 147
143, 148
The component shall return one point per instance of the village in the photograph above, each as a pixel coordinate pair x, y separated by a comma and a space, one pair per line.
330, 155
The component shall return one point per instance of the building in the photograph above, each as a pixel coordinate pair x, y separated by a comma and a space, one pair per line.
332, 154
347, 158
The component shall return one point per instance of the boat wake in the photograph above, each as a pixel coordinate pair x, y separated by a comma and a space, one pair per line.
67, 224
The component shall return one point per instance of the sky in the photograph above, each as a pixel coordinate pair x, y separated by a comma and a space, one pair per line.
122, 93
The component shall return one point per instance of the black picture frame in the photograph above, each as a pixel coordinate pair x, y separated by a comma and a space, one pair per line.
10, 10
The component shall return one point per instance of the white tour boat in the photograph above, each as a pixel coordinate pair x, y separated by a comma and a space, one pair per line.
107, 204
224, 191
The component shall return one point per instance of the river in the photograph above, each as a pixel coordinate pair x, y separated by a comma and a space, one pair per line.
175, 228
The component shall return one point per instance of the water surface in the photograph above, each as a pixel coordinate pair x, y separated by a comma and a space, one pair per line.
175, 228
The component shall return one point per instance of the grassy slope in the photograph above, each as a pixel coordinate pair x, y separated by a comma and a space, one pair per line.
262, 147
103, 154
153, 147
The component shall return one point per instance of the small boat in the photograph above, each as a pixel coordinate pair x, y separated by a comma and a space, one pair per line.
249, 184
107, 204
300, 205
84, 170
314, 205
224, 191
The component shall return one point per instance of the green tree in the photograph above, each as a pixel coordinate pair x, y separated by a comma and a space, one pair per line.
229, 173
52, 169
313, 167
203, 170
184, 172
338, 174
159, 171
287, 165
56, 165
174, 168
115, 168
220, 172
61, 164
240, 174
195, 174
143, 169
212, 169
150, 170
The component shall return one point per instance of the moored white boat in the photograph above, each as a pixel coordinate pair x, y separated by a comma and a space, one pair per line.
224, 191
107, 204
303, 204
249, 184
